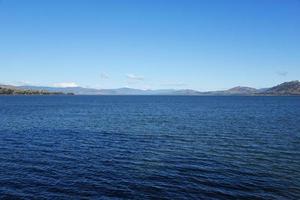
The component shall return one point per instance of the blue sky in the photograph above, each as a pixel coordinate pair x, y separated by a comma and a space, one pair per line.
203, 45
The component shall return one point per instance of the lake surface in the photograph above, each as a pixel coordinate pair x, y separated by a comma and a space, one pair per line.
149, 147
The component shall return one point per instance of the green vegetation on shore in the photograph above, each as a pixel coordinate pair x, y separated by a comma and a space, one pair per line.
14, 91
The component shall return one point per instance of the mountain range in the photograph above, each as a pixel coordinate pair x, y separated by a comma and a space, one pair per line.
287, 88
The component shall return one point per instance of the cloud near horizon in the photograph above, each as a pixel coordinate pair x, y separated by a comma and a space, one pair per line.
174, 85
282, 73
66, 84
134, 77
104, 76
20, 83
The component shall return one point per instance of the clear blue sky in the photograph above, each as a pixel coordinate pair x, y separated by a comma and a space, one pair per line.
203, 45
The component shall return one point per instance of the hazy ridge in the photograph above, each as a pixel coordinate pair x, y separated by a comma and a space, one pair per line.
286, 88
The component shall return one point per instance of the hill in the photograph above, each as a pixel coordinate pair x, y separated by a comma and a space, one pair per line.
92, 91
74, 90
12, 90
287, 88
241, 90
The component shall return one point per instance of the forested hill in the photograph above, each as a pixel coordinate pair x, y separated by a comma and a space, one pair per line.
11, 90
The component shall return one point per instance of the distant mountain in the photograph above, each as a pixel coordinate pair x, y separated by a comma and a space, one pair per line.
287, 88
238, 91
241, 90
91, 91
123, 91
186, 92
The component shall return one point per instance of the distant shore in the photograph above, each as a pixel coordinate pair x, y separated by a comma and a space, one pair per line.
291, 88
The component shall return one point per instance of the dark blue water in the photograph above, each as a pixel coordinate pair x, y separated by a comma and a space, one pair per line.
149, 147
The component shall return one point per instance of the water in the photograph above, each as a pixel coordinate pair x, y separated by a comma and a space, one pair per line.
149, 147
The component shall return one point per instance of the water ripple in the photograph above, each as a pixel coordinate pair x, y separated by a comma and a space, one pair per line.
149, 147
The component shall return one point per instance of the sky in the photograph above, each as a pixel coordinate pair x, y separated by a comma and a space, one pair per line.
150, 44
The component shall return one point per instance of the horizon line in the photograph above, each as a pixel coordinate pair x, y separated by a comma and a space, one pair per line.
126, 87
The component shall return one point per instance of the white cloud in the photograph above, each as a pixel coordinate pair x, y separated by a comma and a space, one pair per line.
21, 83
67, 84
104, 76
134, 77
174, 85
282, 73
